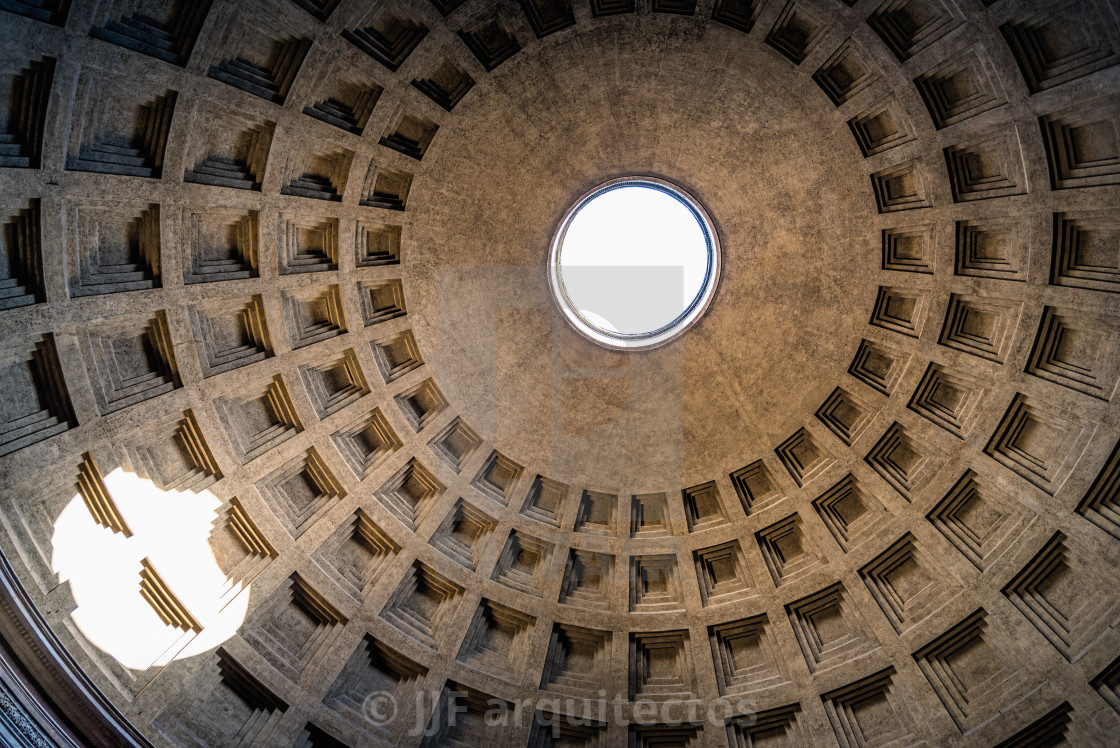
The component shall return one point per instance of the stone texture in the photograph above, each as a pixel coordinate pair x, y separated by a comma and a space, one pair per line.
291, 252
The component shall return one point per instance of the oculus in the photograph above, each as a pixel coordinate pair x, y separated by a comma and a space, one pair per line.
634, 263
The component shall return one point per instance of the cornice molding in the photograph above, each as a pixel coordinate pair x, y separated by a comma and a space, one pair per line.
57, 700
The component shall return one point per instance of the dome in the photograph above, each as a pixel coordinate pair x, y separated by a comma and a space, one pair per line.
298, 447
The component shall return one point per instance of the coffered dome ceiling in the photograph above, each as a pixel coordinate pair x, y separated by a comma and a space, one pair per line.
296, 449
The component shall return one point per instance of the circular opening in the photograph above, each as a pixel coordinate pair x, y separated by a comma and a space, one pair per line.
634, 263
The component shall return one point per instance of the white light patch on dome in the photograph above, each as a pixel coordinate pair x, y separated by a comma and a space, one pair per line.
634, 263
169, 528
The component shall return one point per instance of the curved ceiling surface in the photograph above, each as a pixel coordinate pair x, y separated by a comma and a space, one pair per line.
275, 288
783, 183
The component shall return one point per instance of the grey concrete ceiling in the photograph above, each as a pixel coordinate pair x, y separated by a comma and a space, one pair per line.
290, 255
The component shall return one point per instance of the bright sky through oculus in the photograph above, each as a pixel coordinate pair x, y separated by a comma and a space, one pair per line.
634, 263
